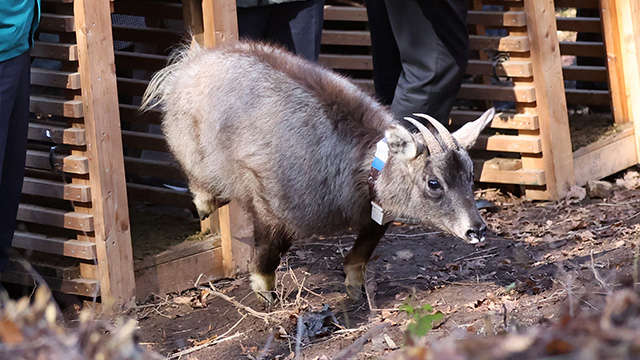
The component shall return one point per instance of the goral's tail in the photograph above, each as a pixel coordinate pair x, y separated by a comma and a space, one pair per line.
161, 81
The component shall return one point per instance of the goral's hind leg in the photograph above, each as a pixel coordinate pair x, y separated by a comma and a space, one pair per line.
355, 263
271, 246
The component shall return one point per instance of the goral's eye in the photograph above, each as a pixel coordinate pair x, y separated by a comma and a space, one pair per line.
434, 184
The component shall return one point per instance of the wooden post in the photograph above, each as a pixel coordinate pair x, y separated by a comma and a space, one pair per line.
218, 23
104, 149
550, 105
622, 39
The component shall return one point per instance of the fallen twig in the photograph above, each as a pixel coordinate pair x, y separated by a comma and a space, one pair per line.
352, 350
196, 348
250, 311
604, 285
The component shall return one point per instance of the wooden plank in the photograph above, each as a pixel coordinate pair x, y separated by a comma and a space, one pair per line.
129, 60
526, 144
131, 113
582, 48
500, 121
352, 62
55, 78
56, 134
54, 217
150, 9
583, 4
520, 93
56, 23
160, 196
588, 97
488, 172
511, 43
585, 73
145, 141
344, 13
56, 106
162, 38
606, 157
104, 146
511, 68
614, 65
84, 287
220, 21
155, 168
180, 269
54, 51
497, 18
74, 164
238, 243
346, 37
579, 24
71, 248
551, 106
56, 189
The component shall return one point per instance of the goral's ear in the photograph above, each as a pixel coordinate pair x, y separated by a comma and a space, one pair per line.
402, 143
467, 135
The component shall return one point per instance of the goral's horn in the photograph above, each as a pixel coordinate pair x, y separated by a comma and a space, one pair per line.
430, 140
444, 133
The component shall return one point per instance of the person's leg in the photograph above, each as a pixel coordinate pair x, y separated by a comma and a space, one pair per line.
384, 50
252, 22
298, 26
434, 48
14, 125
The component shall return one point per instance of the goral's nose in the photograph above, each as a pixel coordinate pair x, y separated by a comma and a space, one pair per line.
476, 233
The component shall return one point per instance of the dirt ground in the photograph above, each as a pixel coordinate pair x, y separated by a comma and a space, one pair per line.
541, 261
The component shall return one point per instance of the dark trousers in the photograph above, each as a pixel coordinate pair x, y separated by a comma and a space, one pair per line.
296, 25
14, 124
420, 52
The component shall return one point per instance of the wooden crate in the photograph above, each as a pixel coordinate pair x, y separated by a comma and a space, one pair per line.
528, 144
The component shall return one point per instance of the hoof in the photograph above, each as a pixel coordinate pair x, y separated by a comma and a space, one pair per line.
354, 281
355, 293
263, 286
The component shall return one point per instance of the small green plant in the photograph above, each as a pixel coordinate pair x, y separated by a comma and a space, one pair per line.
423, 319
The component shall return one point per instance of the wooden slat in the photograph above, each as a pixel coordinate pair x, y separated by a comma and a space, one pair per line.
497, 18
56, 23
588, 97
153, 9
55, 189
55, 78
501, 43
159, 169
220, 21
582, 48
583, 4
509, 143
343, 37
131, 113
132, 87
57, 246
56, 106
521, 93
74, 164
511, 68
160, 196
145, 141
585, 73
579, 24
500, 121
162, 38
344, 13
615, 68
54, 217
84, 287
55, 51
104, 146
605, 157
486, 171
129, 60
58, 134
351, 62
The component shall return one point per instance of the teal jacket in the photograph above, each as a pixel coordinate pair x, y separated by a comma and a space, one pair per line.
19, 20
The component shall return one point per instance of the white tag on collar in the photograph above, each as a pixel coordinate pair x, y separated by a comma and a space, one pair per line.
379, 215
